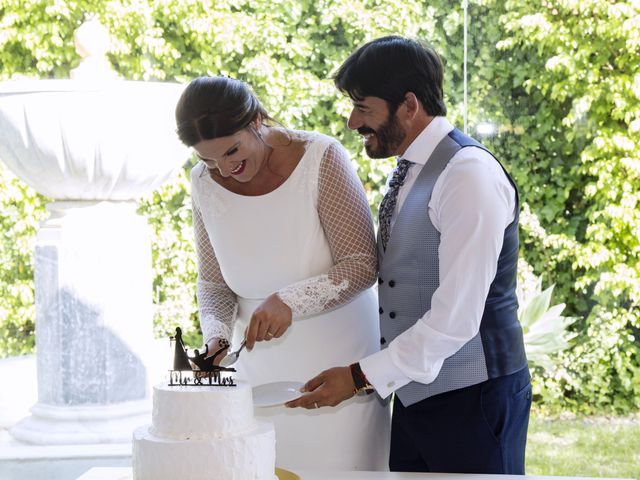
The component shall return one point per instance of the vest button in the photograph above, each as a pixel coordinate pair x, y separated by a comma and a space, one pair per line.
380, 311
382, 341
392, 283
392, 315
379, 280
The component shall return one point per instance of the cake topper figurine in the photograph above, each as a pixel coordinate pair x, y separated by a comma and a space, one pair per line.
203, 370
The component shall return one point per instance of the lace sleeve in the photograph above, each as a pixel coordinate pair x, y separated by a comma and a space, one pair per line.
346, 219
217, 304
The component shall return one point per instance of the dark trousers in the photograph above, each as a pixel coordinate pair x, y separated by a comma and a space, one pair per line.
477, 429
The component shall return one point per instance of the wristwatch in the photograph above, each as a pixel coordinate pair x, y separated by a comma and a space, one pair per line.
362, 385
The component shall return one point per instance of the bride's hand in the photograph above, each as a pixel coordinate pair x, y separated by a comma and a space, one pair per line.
270, 320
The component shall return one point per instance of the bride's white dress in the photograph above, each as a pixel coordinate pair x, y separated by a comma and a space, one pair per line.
310, 240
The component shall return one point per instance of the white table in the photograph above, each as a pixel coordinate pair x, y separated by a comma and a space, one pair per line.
125, 474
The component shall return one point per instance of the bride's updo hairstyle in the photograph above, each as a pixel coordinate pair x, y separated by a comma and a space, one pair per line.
212, 107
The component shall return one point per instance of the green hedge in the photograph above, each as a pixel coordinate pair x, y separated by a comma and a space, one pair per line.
561, 80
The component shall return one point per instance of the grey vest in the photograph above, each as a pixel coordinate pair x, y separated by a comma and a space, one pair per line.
409, 276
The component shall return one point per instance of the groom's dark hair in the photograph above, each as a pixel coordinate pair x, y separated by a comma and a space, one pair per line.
388, 68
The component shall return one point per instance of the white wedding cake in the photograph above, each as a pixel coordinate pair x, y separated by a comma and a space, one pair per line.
204, 433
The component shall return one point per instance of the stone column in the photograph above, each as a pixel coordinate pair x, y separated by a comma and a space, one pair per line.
93, 303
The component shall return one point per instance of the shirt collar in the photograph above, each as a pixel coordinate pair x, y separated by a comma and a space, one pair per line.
427, 140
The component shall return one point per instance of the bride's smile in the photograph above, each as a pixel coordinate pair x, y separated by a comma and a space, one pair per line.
240, 168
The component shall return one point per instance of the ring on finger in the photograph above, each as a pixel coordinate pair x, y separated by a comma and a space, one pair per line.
316, 404
269, 334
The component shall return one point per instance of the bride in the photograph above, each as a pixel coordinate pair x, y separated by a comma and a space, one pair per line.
286, 259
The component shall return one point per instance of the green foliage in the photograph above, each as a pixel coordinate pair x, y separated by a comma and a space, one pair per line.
561, 80
168, 211
576, 155
22, 210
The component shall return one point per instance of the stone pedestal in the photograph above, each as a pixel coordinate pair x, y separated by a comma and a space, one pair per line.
95, 145
93, 304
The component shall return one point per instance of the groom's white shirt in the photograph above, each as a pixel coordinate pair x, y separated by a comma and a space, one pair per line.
471, 205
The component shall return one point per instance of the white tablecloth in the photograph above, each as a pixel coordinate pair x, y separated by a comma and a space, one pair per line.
125, 474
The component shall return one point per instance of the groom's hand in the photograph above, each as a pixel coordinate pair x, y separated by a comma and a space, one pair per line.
328, 389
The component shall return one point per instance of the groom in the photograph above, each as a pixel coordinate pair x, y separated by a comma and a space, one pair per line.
452, 347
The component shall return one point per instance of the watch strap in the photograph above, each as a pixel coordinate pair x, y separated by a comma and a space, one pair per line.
360, 382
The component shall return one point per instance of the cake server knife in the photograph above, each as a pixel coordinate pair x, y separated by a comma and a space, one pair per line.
232, 357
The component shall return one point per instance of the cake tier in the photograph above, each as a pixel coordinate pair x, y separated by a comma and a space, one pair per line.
192, 412
240, 457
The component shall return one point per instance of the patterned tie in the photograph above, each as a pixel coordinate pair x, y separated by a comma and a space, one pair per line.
388, 204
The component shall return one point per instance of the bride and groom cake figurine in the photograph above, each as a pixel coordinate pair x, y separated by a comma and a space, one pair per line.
203, 368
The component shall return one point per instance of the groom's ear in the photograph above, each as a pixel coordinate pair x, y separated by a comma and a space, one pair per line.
412, 112
411, 104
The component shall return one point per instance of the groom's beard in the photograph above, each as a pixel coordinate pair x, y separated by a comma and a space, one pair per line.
388, 138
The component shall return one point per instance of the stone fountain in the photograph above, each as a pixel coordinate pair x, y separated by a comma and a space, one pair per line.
94, 145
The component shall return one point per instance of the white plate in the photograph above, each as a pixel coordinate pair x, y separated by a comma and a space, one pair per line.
276, 393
